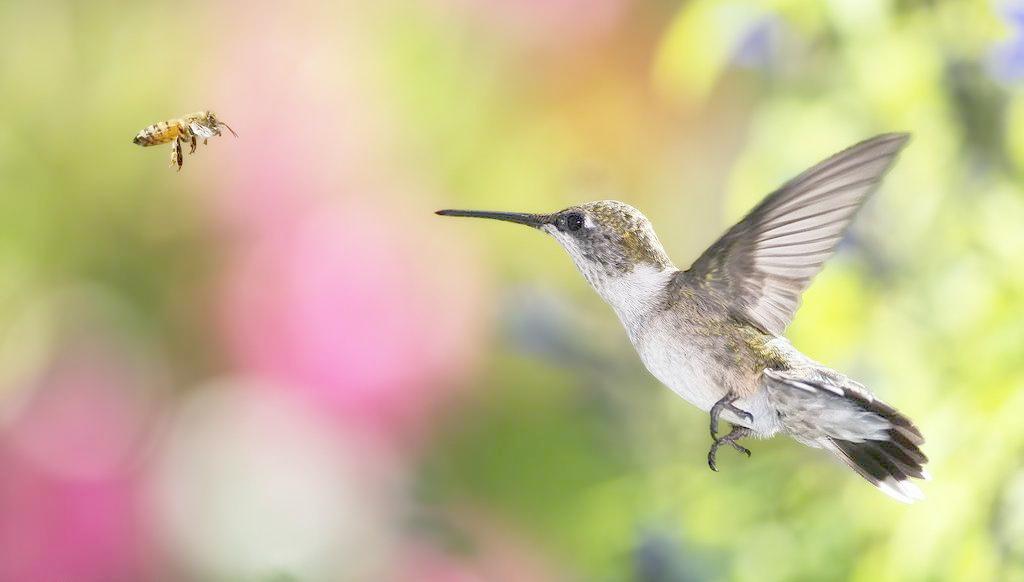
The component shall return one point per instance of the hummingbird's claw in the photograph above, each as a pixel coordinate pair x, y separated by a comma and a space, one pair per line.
730, 439
726, 403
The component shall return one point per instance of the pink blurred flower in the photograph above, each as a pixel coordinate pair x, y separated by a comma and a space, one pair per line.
69, 449
304, 99
58, 529
85, 415
351, 311
333, 284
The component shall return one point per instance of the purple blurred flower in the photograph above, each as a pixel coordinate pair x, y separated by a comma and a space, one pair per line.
760, 46
1006, 60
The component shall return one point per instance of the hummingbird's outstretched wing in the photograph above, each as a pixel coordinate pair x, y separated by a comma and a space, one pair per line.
764, 262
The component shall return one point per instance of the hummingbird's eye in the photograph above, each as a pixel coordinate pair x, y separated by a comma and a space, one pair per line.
574, 221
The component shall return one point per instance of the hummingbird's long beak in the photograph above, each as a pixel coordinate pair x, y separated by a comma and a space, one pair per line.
534, 220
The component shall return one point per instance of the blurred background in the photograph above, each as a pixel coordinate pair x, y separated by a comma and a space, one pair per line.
279, 365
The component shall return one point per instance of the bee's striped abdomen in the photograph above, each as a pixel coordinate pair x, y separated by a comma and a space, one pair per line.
158, 133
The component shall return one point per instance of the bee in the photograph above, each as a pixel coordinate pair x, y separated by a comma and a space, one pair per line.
187, 130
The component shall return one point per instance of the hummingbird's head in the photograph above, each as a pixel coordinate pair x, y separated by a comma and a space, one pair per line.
612, 243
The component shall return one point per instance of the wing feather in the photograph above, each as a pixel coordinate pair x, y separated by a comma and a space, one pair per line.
764, 262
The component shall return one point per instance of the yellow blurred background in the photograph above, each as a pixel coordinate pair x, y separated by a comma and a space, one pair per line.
279, 365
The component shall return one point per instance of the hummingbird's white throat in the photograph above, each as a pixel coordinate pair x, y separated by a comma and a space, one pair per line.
632, 292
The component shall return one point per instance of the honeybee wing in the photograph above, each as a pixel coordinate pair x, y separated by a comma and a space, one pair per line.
201, 131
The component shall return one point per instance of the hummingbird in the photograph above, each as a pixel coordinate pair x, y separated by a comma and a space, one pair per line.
714, 333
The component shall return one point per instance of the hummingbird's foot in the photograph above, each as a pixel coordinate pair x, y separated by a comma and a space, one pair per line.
730, 439
726, 403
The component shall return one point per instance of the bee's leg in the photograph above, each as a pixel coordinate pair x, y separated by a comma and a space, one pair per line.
204, 142
176, 158
192, 143
726, 403
730, 439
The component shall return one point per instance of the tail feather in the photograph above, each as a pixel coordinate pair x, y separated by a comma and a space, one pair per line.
873, 461
887, 464
823, 409
910, 464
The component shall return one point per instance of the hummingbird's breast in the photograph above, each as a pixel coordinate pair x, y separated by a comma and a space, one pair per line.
701, 353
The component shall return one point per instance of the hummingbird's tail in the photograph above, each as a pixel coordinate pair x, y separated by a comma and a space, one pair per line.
887, 464
823, 409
